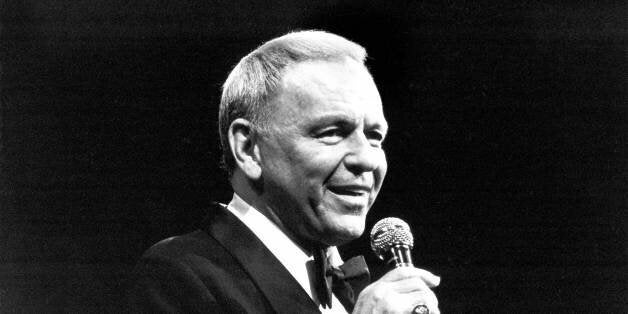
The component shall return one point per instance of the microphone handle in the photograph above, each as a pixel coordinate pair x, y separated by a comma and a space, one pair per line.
400, 255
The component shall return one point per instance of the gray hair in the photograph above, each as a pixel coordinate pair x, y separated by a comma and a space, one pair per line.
256, 78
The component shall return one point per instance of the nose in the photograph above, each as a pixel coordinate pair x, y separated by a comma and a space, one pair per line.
362, 156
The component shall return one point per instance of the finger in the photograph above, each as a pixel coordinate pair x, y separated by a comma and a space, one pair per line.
428, 298
430, 279
423, 296
396, 297
408, 285
402, 303
431, 309
401, 273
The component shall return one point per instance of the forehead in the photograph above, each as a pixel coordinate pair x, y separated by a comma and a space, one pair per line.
339, 76
312, 87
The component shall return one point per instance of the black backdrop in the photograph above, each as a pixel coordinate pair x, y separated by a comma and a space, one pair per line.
507, 152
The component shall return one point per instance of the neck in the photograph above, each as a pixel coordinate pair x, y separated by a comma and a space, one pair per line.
252, 195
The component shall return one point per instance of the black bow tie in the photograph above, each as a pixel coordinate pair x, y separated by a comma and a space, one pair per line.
345, 281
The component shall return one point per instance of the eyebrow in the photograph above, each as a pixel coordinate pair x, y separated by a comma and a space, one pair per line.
331, 118
341, 117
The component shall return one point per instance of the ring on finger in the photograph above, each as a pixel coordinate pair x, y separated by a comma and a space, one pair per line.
421, 309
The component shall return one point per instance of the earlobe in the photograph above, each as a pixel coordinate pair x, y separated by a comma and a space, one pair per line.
244, 149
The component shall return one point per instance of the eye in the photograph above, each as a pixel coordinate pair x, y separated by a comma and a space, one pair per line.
331, 135
375, 137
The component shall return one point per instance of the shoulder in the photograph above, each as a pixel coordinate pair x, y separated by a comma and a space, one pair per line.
178, 247
193, 273
176, 275
184, 256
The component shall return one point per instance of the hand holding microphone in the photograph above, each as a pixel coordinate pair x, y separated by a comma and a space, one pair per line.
405, 289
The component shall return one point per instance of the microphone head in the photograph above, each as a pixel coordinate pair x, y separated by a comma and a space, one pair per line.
388, 233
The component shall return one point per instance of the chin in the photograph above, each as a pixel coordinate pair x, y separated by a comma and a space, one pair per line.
344, 230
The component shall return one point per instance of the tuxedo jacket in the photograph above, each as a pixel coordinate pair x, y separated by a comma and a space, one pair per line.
220, 268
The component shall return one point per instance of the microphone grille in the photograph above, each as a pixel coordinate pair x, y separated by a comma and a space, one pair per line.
389, 232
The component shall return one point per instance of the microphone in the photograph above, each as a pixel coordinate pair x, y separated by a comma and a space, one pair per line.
392, 242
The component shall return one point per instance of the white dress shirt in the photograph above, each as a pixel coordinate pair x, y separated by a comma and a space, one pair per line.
290, 254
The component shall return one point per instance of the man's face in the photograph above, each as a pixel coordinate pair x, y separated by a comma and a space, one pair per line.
322, 158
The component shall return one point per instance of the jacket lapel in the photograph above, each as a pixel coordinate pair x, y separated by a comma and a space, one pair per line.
282, 291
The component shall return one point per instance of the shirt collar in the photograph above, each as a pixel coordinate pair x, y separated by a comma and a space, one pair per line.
292, 256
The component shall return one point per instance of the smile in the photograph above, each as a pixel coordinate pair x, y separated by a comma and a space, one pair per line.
350, 190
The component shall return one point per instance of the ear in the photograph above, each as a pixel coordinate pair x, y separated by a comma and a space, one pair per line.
242, 141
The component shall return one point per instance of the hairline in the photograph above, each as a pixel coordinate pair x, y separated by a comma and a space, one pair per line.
285, 50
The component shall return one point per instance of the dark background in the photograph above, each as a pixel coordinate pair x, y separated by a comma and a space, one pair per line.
507, 153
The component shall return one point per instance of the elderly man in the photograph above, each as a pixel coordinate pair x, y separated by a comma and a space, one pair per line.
301, 126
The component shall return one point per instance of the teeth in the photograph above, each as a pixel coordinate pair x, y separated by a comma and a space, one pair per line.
347, 192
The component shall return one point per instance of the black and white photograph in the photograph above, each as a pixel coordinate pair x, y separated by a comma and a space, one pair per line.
338, 156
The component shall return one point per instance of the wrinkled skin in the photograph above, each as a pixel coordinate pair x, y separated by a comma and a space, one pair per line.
322, 160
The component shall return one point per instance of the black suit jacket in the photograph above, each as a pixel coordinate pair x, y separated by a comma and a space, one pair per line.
221, 268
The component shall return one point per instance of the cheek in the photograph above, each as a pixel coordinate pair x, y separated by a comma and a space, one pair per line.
380, 172
305, 176
319, 164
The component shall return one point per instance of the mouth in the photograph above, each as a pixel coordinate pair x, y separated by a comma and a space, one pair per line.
350, 199
350, 190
